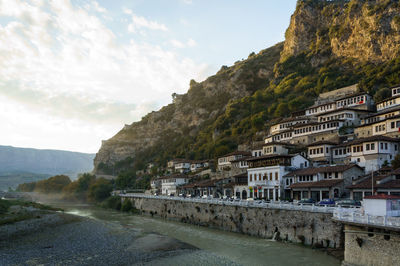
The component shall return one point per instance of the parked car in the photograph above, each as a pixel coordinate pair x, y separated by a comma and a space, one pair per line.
327, 202
348, 203
306, 201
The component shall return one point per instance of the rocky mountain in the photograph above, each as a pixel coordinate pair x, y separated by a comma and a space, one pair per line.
365, 30
329, 44
47, 162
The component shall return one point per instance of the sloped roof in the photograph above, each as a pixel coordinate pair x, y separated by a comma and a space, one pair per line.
323, 169
382, 196
322, 142
177, 175
317, 184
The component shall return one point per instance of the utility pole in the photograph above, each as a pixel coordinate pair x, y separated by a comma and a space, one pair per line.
372, 182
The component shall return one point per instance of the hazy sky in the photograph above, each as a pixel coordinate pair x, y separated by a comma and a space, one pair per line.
72, 73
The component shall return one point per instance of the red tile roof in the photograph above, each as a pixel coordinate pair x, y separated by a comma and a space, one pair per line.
318, 184
382, 196
323, 169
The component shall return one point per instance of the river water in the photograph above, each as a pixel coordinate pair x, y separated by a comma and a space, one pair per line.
241, 249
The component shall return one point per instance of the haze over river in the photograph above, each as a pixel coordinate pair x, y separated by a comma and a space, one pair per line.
222, 246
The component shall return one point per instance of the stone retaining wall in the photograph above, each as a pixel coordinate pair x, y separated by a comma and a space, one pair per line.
371, 246
309, 228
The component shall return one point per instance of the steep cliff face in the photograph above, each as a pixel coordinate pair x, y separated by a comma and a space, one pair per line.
367, 31
189, 112
328, 44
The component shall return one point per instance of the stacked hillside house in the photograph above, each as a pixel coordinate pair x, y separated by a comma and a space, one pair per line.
328, 150
340, 109
342, 137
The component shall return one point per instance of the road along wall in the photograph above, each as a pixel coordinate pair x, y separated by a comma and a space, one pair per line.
309, 228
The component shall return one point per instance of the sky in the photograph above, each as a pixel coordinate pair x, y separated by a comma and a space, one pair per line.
74, 72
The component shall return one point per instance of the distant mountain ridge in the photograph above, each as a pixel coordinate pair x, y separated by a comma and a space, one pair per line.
49, 162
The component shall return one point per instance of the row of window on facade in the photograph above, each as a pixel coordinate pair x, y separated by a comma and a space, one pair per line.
314, 128
335, 117
263, 177
386, 104
354, 100
318, 151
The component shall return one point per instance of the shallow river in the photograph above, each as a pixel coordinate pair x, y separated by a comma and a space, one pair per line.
242, 249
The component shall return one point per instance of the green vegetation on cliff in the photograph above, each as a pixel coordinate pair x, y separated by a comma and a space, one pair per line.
329, 45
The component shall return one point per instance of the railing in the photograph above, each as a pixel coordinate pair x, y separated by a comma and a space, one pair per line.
243, 203
357, 216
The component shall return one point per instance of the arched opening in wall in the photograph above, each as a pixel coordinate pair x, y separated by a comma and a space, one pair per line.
238, 194
244, 194
336, 193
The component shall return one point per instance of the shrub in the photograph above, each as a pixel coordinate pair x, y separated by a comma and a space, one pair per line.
113, 202
126, 206
4, 205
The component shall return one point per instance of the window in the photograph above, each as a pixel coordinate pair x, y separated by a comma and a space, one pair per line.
386, 146
367, 147
276, 175
372, 146
392, 125
251, 177
270, 176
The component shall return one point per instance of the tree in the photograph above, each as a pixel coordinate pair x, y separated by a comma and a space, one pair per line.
396, 162
382, 94
282, 110
100, 190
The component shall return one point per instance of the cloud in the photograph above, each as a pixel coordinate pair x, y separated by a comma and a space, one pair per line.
139, 22
62, 66
179, 44
191, 43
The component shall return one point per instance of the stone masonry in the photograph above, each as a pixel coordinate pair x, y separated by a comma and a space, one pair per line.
309, 228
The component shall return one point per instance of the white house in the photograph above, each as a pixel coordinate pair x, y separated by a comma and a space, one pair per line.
224, 162
373, 152
169, 183
265, 174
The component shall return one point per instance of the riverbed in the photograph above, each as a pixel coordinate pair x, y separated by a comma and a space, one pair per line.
220, 247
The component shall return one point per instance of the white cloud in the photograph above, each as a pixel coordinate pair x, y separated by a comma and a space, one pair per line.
177, 44
98, 8
191, 43
127, 11
139, 22
66, 79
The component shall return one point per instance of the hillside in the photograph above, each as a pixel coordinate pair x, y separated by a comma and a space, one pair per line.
46, 162
328, 45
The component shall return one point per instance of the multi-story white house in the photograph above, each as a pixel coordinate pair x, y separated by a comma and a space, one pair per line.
321, 151
265, 174
169, 183
390, 102
373, 152
322, 182
224, 162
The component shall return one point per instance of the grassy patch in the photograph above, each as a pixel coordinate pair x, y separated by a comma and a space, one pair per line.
5, 205
16, 218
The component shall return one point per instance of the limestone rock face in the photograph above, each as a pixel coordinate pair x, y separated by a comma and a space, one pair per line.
204, 101
367, 31
323, 30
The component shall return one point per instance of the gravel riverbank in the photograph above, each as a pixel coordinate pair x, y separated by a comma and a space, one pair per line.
64, 239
